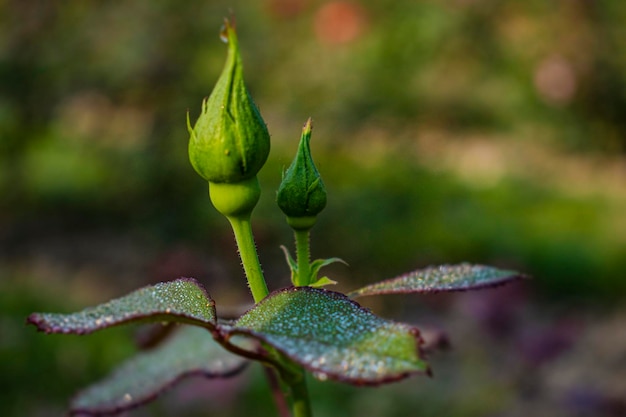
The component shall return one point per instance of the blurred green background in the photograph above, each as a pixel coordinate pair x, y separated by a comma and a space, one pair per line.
446, 131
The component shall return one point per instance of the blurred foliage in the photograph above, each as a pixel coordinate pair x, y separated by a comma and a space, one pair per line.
467, 130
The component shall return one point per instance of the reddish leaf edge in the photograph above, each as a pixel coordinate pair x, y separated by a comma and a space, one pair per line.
228, 331
512, 277
42, 325
154, 395
223, 332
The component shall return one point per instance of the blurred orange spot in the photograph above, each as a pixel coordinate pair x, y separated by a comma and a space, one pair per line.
555, 80
339, 22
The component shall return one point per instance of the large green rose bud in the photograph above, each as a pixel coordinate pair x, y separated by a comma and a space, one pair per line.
230, 142
302, 195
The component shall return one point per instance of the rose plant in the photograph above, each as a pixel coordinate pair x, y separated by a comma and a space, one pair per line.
290, 331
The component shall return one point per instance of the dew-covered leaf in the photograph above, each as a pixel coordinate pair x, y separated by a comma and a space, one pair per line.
183, 300
460, 277
334, 337
189, 351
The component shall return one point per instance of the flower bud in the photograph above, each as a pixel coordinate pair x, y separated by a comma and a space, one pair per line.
230, 142
302, 195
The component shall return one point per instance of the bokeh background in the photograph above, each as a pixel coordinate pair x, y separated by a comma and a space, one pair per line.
486, 131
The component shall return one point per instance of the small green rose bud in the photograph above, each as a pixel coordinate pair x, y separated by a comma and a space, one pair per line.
302, 195
229, 142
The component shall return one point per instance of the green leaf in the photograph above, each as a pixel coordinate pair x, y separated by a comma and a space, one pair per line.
183, 300
293, 266
460, 277
334, 337
318, 264
189, 351
322, 282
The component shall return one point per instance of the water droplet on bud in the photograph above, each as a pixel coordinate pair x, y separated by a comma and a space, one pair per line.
224, 33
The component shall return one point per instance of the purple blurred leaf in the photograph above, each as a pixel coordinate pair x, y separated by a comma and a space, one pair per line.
183, 301
460, 277
189, 351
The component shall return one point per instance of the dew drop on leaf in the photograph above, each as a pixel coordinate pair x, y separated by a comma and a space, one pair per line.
321, 376
461, 277
333, 337
174, 301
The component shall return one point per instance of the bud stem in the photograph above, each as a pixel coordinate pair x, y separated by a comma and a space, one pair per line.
301, 405
303, 257
247, 251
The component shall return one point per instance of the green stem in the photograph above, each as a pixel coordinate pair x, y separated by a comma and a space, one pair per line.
303, 257
292, 379
247, 251
278, 391
301, 406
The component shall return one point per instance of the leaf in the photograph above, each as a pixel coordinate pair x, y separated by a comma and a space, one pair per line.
189, 351
318, 264
460, 277
183, 300
334, 337
293, 266
322, 282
